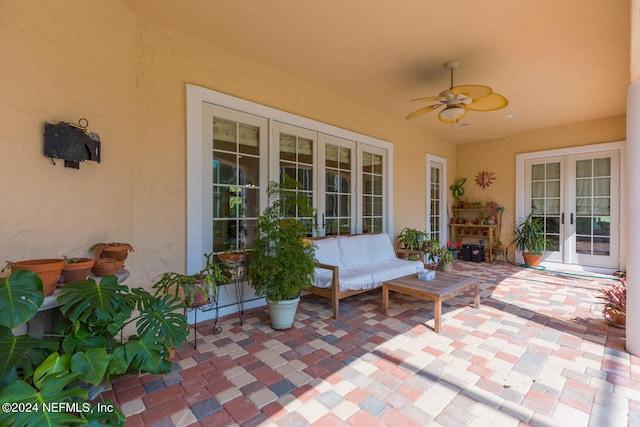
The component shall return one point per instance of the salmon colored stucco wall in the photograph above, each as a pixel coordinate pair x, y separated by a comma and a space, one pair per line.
499, 157
72, 59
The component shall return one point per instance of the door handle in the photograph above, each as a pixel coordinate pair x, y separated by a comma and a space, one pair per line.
562, 218
571, 218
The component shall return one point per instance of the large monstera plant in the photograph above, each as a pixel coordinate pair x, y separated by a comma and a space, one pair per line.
59, 368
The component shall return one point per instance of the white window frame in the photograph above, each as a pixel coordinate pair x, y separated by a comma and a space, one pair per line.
197, 175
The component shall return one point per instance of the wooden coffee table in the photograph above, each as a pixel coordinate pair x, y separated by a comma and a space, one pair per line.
444, 286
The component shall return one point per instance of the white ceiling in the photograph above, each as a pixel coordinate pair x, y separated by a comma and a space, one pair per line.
556, 61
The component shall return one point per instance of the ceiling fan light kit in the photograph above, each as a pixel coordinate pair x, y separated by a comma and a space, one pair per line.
458, 100
451, 113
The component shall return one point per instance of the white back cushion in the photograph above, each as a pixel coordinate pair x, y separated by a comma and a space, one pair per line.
379, 248
366, 249
354, 254
328, 252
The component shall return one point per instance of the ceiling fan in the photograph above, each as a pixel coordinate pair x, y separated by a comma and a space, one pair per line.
458, 100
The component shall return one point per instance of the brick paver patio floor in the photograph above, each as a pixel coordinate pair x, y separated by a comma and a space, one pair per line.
535, 353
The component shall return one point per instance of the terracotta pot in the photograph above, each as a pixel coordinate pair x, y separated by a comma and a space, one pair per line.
78, 270
107, 266
616, 318
47, 269
195, 297
531, 260
232, 257
119, 252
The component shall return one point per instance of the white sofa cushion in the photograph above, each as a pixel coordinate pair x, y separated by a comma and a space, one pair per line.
328, 252
395, 268
368, 277
365, 261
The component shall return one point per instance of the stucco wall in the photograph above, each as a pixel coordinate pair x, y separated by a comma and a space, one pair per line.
499, 156
63, 61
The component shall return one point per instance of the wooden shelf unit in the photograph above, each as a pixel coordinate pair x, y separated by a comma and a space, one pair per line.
490, 232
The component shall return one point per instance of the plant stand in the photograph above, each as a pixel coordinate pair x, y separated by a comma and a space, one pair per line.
212, 304
239, 274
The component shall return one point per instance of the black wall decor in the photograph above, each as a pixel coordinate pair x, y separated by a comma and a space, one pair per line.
71, 143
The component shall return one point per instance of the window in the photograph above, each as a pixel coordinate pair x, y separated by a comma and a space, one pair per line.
236, 147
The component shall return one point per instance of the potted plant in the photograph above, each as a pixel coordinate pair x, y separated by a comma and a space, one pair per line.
454, 248
106, 266
445, 258
48, 270
76, 269
196, 289
457, 190
411, 238
529, 239
281, 261
115, 250
88, 349
614, 300
232, 255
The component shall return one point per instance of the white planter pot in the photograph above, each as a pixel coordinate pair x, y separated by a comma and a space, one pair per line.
283, 313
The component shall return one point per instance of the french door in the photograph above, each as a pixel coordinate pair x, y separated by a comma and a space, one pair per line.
331, 169
436, 198
338, 206
577, 198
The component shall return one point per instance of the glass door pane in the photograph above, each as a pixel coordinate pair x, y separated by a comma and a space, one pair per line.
373, 198
297, 160
235, 183
595, 208
437, 218
544, 199
339, 185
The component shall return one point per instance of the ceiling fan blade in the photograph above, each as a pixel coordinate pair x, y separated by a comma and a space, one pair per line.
454, 119
429, 98
423, 110
472, 91
488, 103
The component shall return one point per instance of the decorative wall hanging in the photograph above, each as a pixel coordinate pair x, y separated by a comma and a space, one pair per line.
485, 179
72, 143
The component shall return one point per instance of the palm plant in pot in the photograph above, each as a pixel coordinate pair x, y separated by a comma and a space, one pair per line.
281, 261
529, 239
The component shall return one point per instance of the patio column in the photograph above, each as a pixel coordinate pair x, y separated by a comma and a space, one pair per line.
631, 196
632, 209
